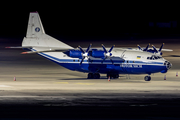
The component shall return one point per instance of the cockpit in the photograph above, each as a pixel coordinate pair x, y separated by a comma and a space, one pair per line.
154, 57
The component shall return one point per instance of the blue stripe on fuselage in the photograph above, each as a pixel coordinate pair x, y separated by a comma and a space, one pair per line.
118, 67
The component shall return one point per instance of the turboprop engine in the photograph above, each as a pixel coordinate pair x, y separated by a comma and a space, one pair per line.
97, 53
74, 53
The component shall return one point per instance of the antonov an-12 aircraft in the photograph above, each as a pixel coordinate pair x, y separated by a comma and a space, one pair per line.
112, 61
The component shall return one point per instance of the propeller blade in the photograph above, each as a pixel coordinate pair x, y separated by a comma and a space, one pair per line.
88, 48
111, 48
112, 61
147, 47
104, 59
161, 47
82, 61
154, 48
104, 48
85, 54
108, 54
139, 47
81, 49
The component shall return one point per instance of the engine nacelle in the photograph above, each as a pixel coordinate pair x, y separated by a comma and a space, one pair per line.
98, 54
74, 53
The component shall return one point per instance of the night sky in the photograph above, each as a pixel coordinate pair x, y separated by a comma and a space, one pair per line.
91, 20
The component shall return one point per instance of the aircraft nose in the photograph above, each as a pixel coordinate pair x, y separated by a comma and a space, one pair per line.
168, 64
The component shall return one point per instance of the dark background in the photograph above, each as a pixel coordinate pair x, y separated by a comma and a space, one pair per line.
88, 20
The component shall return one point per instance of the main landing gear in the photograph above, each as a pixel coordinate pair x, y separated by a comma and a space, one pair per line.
147, 78
93, 76
113, 75
97, 75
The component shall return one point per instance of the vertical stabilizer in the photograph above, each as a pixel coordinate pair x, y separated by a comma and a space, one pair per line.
36, 36
35, 27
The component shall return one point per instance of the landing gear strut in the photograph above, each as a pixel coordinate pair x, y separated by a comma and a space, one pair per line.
147, 78
93, 76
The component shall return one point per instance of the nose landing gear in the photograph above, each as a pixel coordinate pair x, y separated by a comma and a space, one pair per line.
147, 78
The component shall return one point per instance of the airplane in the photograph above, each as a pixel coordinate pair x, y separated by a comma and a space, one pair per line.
94, 61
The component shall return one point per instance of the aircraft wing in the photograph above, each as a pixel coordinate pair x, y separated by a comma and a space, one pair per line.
20, 47
136, 49
167, 50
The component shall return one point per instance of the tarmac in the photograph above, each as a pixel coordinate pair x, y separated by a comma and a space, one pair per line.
33, 87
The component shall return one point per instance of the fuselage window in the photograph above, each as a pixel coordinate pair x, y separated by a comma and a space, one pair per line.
73, 60
127, 61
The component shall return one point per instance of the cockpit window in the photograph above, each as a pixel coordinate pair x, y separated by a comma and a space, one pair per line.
153, 57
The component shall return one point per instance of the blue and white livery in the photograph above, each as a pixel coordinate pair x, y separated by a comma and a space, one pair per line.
112, 61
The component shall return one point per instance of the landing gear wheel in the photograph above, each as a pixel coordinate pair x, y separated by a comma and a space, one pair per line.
112, 75
147, 78
93, 76
96, 75
115, 76
109, 75
90, 76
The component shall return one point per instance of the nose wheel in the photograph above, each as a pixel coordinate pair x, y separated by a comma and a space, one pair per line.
147, 78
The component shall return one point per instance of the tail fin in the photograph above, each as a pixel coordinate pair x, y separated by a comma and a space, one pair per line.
36, 36
35, 27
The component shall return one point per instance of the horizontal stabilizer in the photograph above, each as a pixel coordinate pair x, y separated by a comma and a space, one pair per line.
19, 47
47, 50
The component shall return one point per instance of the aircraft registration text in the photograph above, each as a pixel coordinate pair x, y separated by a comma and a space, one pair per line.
131, 66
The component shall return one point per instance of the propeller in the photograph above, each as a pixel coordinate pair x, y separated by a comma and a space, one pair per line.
84, 54
154, 48
158, 51
145, 49
152, 51
107, 54
140, 48
161, 47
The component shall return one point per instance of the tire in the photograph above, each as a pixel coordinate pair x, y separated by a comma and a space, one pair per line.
96, 75
109, 75
147, 78
90, 76
116, 76
112, 75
